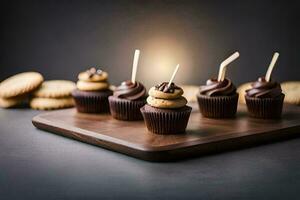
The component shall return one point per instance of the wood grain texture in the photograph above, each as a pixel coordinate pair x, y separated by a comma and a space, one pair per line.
203, 135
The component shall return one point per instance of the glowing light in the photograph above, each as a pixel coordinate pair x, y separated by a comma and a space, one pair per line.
162, 54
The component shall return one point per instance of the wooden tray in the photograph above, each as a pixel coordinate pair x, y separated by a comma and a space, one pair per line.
203, 135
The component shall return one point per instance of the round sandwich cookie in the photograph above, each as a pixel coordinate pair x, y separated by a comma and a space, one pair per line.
13, 102
167, 103
291, 89
92, 91
164, 95
92, 86
41, 103
55, 89
20, 84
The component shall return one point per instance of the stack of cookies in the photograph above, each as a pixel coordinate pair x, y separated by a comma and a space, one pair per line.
54, 94
15, 90
291, 89
241, 90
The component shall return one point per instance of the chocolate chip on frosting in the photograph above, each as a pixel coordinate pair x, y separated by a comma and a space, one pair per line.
93, 71
93, 75
163, 87
162, 96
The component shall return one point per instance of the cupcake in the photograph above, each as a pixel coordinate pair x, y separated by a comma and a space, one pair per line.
126, 101
166, 111
218, 99
91, 95
264, 99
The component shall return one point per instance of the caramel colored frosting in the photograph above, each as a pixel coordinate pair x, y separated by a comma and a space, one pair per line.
263, 89
214, 88
131, 91
162, 96
92, 80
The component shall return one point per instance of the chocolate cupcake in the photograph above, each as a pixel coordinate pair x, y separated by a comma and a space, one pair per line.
91, 95
264, 99
218, 99
166, 111
126, 101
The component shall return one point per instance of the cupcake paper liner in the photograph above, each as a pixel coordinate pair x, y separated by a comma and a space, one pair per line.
91, 102
166, 121
266, 108
218, 107
123, 109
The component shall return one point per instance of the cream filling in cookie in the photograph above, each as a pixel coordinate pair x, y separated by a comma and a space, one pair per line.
92, 86
241, 90
55, 89
167, 103
84, 76
51, 103
291, 89
11, 102
163, 95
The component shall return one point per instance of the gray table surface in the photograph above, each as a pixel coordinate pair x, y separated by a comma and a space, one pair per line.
39, 165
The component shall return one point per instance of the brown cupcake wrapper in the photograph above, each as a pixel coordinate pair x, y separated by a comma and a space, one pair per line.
164, 122
127, 110
91, 103
218, 107
265, 108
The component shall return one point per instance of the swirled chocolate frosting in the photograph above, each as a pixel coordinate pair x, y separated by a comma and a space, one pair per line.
163, 87
131, 91
214, 87
263, 89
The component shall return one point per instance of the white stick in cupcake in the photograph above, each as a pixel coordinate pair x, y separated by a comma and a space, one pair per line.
222, 69
135, 64
173, 75
271, 66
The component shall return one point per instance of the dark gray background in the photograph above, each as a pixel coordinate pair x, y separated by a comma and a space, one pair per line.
61, 38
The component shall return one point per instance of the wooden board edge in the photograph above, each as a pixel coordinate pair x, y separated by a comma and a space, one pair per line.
180, 153
144, 154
